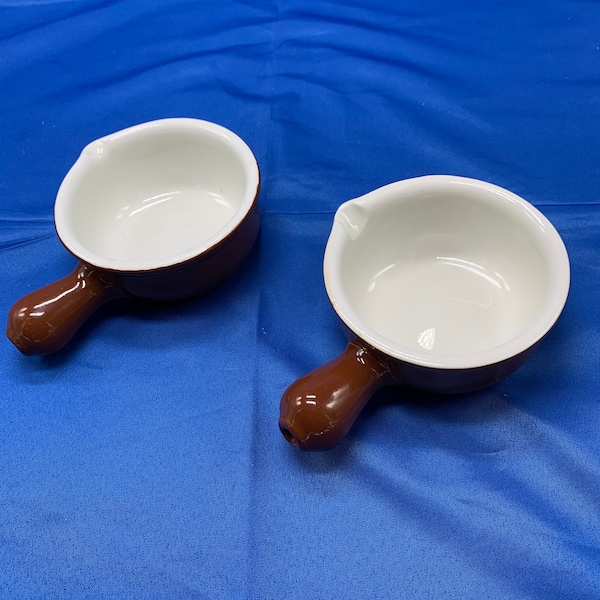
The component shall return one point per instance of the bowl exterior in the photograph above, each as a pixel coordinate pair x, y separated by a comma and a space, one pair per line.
444, 381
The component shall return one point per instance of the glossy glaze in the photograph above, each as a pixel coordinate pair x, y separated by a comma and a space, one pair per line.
449, 283
133, 238
318, 410
155, 195
46, 319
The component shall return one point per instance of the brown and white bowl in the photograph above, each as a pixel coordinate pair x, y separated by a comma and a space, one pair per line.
161, 211
444, 284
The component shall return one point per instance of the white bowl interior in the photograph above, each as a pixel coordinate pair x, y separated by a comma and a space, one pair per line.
155, 194
436, 272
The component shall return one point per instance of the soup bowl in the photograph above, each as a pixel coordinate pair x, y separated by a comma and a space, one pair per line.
161, 211
443, 284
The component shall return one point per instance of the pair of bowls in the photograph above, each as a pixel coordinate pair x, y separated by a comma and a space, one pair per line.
444, 284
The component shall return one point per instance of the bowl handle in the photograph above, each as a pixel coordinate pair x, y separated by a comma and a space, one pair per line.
45, 320
318, 410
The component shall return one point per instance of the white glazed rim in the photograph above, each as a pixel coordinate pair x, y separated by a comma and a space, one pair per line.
86, 162
548, 240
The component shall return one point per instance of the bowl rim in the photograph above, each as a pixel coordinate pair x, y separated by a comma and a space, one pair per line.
86, 161
548, 240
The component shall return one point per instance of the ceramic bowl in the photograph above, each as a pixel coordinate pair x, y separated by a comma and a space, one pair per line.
444, 284
161, 211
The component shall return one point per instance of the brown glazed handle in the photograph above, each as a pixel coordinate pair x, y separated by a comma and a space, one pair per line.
318, 410
44, 321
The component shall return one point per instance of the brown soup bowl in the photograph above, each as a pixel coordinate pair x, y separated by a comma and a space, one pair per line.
165, 210
443, 284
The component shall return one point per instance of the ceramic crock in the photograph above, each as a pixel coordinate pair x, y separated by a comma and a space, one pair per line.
163, 211
443, 284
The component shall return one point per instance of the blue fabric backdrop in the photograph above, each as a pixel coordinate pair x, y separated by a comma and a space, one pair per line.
145, 460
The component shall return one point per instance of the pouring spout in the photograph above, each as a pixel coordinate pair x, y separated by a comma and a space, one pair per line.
352, 216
